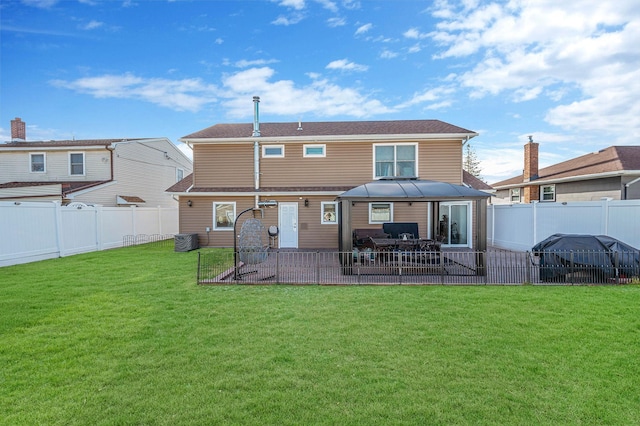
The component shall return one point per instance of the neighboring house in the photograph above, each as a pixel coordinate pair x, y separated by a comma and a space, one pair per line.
306, 166
613, 172
108, 172
471, 181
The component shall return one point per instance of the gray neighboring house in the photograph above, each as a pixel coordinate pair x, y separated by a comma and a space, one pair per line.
108, 172
613, 172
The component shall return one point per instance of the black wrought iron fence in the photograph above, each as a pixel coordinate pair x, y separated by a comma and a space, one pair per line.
133, 240
493, 267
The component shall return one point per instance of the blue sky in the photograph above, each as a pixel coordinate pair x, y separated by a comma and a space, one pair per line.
567, 73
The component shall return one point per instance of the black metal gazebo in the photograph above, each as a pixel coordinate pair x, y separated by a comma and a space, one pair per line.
412, 190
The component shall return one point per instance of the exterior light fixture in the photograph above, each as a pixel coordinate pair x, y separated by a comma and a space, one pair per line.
190, 203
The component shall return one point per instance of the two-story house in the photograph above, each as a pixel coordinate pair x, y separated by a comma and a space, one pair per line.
108, 172
306, 166
613, 172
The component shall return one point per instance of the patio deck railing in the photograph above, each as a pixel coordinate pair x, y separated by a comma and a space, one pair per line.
447, 267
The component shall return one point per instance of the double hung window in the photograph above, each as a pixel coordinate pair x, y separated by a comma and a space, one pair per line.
329, 213
37, 162
395, 160
380, 212
514, 195
548, 193
76, 163
224, 215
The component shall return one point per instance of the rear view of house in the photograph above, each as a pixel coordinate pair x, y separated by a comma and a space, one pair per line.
306, 166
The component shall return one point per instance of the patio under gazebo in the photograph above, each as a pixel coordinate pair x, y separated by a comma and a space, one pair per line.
413, 190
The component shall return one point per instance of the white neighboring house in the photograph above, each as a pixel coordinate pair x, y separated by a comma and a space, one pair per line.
108, 172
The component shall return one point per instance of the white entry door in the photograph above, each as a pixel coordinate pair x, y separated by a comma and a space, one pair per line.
288, 224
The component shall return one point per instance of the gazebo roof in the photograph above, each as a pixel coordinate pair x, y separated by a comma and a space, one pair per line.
411, 189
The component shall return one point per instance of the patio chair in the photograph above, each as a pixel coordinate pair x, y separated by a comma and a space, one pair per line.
253, 244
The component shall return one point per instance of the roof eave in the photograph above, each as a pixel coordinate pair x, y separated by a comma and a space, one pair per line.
543, 181
334, 138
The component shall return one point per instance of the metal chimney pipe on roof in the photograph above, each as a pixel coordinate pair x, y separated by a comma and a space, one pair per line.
256, 148
256, 117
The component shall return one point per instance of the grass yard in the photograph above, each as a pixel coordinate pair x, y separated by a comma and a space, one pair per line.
127, 337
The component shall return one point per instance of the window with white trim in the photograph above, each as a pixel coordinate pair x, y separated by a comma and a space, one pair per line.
329, 213
514, 195
380, 212
548, 193
395, 160
76, 163
37, 163
179, 175
314, 151
224, 214
272, 151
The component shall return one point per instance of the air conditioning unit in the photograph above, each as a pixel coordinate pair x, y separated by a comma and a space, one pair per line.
186, 242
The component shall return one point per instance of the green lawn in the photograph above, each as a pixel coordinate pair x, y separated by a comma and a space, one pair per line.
127, 337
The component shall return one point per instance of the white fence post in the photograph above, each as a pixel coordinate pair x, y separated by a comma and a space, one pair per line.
605, 215
59, 231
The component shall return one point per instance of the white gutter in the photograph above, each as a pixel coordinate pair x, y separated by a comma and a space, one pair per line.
56, 148
336, 138
258, 194
636, 180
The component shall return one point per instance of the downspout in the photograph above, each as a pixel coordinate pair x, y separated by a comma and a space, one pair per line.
627, 185
256, 149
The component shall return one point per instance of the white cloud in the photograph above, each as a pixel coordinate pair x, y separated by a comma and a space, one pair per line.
336, 22
364, 28
292, 19
583, 54
388, 54
244, 63
345, 65
294, 4
92, 25
43, 4
283, 97
179, 95
436, 98
414, 33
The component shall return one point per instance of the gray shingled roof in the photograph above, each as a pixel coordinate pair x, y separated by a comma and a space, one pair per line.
611, 159
63, 143
330, 128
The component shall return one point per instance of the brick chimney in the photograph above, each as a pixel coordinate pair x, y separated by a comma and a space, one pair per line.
18, 129
530, 172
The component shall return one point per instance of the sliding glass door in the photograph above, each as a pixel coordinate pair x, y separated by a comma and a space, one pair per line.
455, 223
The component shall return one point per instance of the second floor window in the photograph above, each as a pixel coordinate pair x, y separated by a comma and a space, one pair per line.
76, 163
395, 160
272, 151
37, 163
179, 175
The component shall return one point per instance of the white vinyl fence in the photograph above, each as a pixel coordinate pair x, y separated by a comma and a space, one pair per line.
45, 230
521, 226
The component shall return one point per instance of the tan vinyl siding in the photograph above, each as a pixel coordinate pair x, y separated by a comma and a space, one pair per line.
225, 166
345, 163
441, 161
